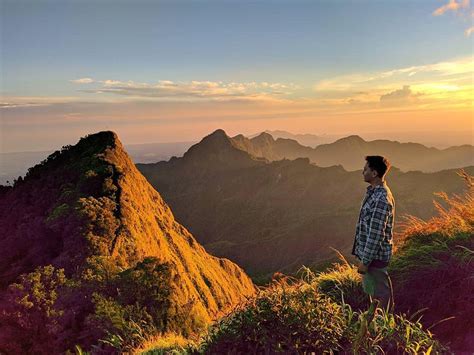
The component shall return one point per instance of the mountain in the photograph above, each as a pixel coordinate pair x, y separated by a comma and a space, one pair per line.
88, 211
309, 140
264, 145
350, 152
276, 216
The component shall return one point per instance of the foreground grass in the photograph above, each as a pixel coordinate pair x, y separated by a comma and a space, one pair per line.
294, 316
166, 344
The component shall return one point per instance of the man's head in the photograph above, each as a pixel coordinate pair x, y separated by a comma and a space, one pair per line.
375, 168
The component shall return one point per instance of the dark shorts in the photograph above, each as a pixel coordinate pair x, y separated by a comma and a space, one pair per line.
377, 284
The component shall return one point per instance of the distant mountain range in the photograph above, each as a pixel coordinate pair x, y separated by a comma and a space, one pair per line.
350, 152
88, 210
278, 215
448, 139
276, 145
309, 140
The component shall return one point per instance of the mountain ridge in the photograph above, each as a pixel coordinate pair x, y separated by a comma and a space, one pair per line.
88, 210
350, 151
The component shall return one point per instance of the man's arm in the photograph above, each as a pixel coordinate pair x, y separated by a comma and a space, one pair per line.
378, 223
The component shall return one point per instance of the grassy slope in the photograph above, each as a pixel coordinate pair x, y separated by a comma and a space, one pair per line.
432, 276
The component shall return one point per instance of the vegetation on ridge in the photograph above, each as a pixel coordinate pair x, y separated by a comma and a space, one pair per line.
96, 258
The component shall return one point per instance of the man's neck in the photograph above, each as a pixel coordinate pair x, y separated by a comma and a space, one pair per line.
377, 182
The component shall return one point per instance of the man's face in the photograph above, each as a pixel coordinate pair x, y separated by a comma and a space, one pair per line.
368, 173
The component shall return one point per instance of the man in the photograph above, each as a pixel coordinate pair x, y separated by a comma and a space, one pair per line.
374, 231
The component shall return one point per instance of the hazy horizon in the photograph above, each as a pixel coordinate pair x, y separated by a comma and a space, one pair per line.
450, 139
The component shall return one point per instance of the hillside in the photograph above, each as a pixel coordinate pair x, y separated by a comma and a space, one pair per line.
350, 151
432, 278
276, 216
87, 226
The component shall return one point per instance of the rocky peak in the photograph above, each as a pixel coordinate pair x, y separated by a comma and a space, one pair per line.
263, 138
87, 205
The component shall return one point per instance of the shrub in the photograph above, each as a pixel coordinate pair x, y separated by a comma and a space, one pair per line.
342, 283
288, 318
131, 305
123, 326
30, 317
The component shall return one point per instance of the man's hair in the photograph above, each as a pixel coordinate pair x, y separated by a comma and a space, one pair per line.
378, 163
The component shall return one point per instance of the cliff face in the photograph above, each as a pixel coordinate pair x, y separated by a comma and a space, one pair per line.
147, 228
87, 209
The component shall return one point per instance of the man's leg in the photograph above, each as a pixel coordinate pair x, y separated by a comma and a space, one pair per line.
368, 284
383, 290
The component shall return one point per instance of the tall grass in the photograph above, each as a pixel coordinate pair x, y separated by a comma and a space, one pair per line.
292, 315
342, 283
433, 268
168, 343
455, 217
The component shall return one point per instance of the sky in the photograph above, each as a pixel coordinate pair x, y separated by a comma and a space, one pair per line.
173, 71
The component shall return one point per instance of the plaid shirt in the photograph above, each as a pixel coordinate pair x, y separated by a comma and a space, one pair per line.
373, 239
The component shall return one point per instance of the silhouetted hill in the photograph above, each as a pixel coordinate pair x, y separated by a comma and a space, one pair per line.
265, 146
218, 151
350, 152
88, 210
279, 215
309, 140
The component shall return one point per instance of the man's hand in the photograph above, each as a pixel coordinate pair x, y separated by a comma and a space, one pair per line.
362, 269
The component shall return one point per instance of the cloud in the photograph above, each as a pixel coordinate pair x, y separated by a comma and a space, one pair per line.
469, 31
442, 84
383, 80
197, 90
461, 8
83, 81
12, 102
453, 5
11, 105
398, 95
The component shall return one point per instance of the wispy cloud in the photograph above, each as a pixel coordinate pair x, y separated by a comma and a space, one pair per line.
453, 6
166, 89
7, 105
469, 31
460, 68
400, 94
447, 84
32, 101
82, 81
461, 8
